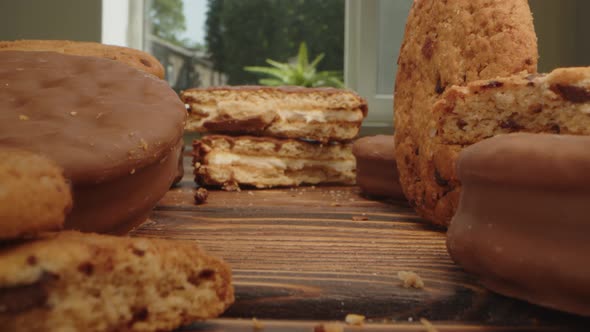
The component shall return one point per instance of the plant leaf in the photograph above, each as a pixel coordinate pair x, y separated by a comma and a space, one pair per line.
302, 57
279, 65
266, 70
300, 73
317, 60
271, 82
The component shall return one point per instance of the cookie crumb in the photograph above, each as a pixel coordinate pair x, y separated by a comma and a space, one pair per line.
231, 186
256, 324
132, 171
335, 204
201, 196
428, 325
73, 113
23, 117
354, 319
328, 327
143, 144
359, 218
410, 279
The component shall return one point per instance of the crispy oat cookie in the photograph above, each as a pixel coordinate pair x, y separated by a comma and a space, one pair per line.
34, 195
558, 103
446, 43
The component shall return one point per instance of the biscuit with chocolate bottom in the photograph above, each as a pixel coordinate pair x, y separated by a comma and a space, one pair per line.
72, 281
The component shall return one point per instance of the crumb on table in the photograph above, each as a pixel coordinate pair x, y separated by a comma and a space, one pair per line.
410, 279
201, 196
231, 186
256, 324
328, 327
428, 325
354, 319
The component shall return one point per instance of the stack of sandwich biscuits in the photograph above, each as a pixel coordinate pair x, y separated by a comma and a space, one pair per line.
274, 136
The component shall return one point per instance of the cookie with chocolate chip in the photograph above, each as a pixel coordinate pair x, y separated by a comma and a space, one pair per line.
72, 281
34, 195
450, 42
556, 103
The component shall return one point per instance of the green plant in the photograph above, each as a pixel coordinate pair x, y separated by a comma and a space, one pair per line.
300, 73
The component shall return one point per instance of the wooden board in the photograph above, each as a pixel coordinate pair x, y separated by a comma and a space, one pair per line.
300, 256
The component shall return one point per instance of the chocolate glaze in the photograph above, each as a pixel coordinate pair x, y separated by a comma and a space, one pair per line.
109, 126
119, 205
522, 222
96, 117
19, 298
376, 169
180, 168
22, 298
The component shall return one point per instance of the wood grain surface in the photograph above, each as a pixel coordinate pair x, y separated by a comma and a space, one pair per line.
304, 256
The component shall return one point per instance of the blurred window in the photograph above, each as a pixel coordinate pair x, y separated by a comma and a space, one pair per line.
211, 42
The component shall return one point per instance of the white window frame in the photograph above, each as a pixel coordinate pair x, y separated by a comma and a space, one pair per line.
123, 23
361, 60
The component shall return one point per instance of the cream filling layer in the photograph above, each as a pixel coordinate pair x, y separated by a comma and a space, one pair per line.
243, 111
321, 115
269, 162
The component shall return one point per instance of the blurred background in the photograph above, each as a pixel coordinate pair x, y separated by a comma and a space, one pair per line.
213, 42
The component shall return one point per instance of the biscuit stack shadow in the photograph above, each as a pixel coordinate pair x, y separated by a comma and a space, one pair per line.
267, 137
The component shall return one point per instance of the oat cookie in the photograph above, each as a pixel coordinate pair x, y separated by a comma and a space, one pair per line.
557, 103
72, 281
450, 42
132, 57
34, 195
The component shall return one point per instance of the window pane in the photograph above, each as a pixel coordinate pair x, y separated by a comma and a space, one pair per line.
391, 23
210, 42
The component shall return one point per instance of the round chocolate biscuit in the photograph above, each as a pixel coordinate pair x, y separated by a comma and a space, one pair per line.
116, 131
376, 169
522, 222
